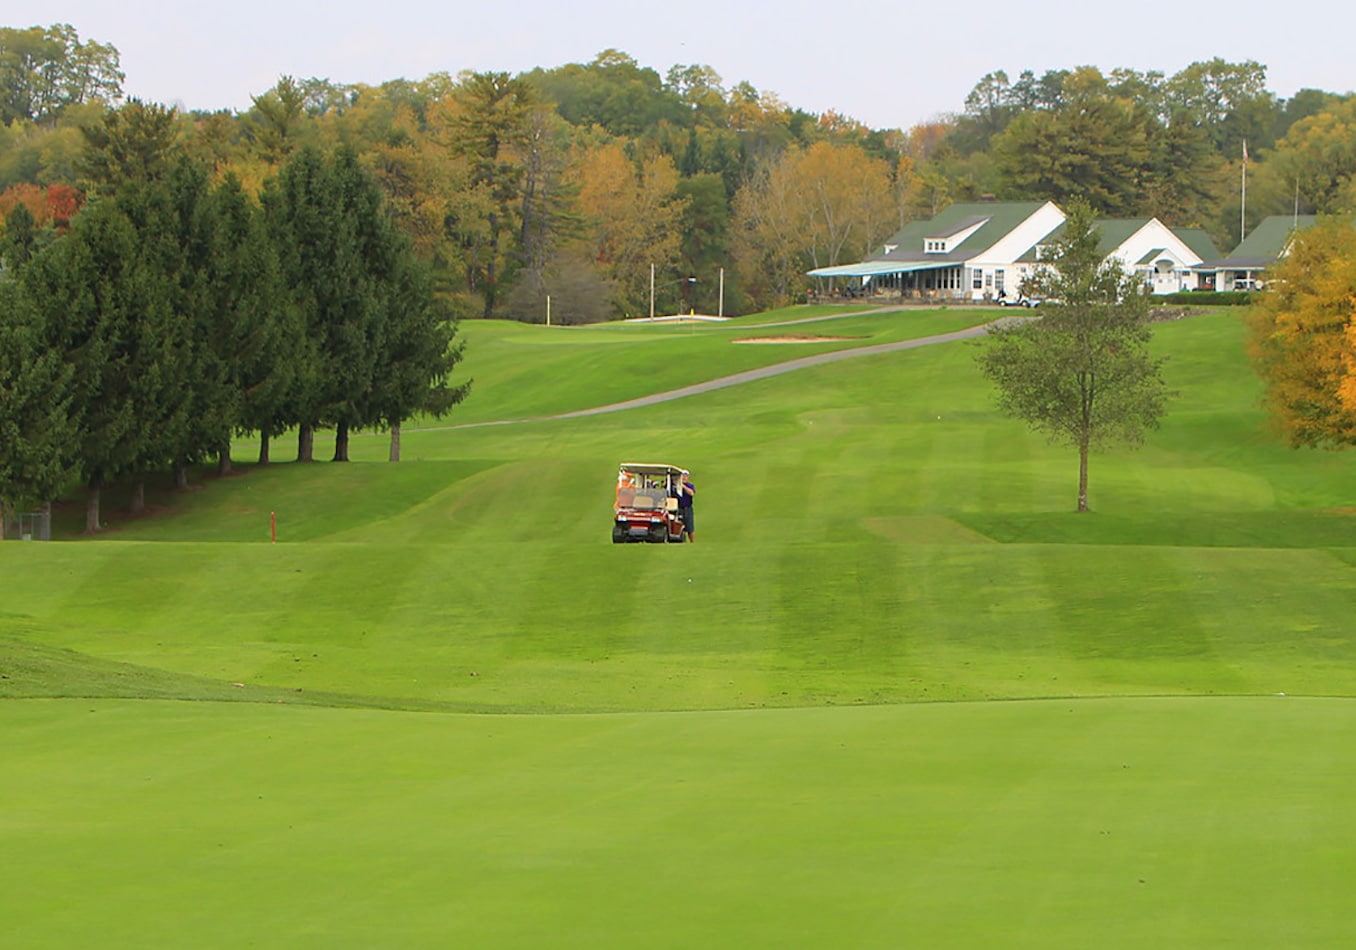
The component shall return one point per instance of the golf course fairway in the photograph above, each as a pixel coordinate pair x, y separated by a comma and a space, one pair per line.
897, 694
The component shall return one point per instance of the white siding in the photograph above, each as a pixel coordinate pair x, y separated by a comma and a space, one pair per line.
1154, 235
1004, 253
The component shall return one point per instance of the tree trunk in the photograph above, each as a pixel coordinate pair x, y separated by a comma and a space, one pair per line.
138, 503
224, 461
1083, 476
263, 448
181, 476
341, 442
491, 267
306, 443
92, 509
395, 444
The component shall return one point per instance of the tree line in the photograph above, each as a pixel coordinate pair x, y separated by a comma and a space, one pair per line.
176, 311
171, 279
574, 181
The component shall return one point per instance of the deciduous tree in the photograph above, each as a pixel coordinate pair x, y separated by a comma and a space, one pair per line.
632, 210
818, 207
1316, 162
1081, 373
1095, 148
1301, 338
490, 127
45, 70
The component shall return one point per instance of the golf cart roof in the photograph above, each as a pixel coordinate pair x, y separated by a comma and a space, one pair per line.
651, 468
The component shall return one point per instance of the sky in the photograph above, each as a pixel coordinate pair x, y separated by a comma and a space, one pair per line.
886, 63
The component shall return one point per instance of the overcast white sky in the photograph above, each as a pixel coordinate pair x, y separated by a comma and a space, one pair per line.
888, 63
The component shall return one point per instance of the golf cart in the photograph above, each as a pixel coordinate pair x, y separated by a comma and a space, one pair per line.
647, 504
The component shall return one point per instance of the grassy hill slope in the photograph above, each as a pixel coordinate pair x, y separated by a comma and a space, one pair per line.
869, 532
871, 536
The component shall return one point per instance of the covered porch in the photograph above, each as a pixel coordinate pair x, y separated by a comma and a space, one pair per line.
904, 279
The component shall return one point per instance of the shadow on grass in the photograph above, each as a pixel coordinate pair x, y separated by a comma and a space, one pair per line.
1250, 529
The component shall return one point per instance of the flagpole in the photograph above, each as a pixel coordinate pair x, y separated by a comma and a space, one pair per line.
1243, 204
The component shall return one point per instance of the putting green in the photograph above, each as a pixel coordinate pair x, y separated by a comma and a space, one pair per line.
1109, 823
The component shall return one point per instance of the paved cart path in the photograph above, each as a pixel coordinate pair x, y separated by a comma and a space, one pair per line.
738, 379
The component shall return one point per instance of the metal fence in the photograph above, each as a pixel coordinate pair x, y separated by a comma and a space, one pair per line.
29, 526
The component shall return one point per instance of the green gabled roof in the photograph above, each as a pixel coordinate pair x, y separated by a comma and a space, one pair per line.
998, 217
1198, 241
1270, 237
1111, 234
1151, 257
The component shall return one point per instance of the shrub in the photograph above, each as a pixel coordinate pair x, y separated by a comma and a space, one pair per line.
1209, 298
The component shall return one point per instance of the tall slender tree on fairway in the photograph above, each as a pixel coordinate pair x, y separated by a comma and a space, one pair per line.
261, 328
1081, 373
92, 293
179, 371
365, 305
36, 461
323, 214
417, 355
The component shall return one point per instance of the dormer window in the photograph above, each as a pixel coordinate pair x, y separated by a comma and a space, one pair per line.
946, 242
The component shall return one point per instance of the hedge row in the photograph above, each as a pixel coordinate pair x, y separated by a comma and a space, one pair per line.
1210, 298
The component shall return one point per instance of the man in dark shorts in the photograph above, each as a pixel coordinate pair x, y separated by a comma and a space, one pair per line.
686, 491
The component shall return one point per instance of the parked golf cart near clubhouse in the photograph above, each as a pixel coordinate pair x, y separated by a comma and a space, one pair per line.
647, 504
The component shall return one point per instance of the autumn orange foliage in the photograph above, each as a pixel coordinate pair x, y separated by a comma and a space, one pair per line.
54, 205
1304, 337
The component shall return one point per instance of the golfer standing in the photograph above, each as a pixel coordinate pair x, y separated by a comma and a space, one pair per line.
686, 491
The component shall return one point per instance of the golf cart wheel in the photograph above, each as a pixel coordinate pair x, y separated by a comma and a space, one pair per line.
659, 534
619, 534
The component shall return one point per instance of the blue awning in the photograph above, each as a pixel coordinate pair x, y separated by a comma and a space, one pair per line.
877, 268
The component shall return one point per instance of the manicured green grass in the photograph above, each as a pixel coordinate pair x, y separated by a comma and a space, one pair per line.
522, 371
853, 548
1110, 823
871, 535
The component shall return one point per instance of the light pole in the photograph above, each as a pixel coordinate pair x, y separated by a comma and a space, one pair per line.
687, 283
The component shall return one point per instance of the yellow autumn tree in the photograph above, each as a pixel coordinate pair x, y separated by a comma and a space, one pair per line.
632, 215
824, 205
1303, 337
